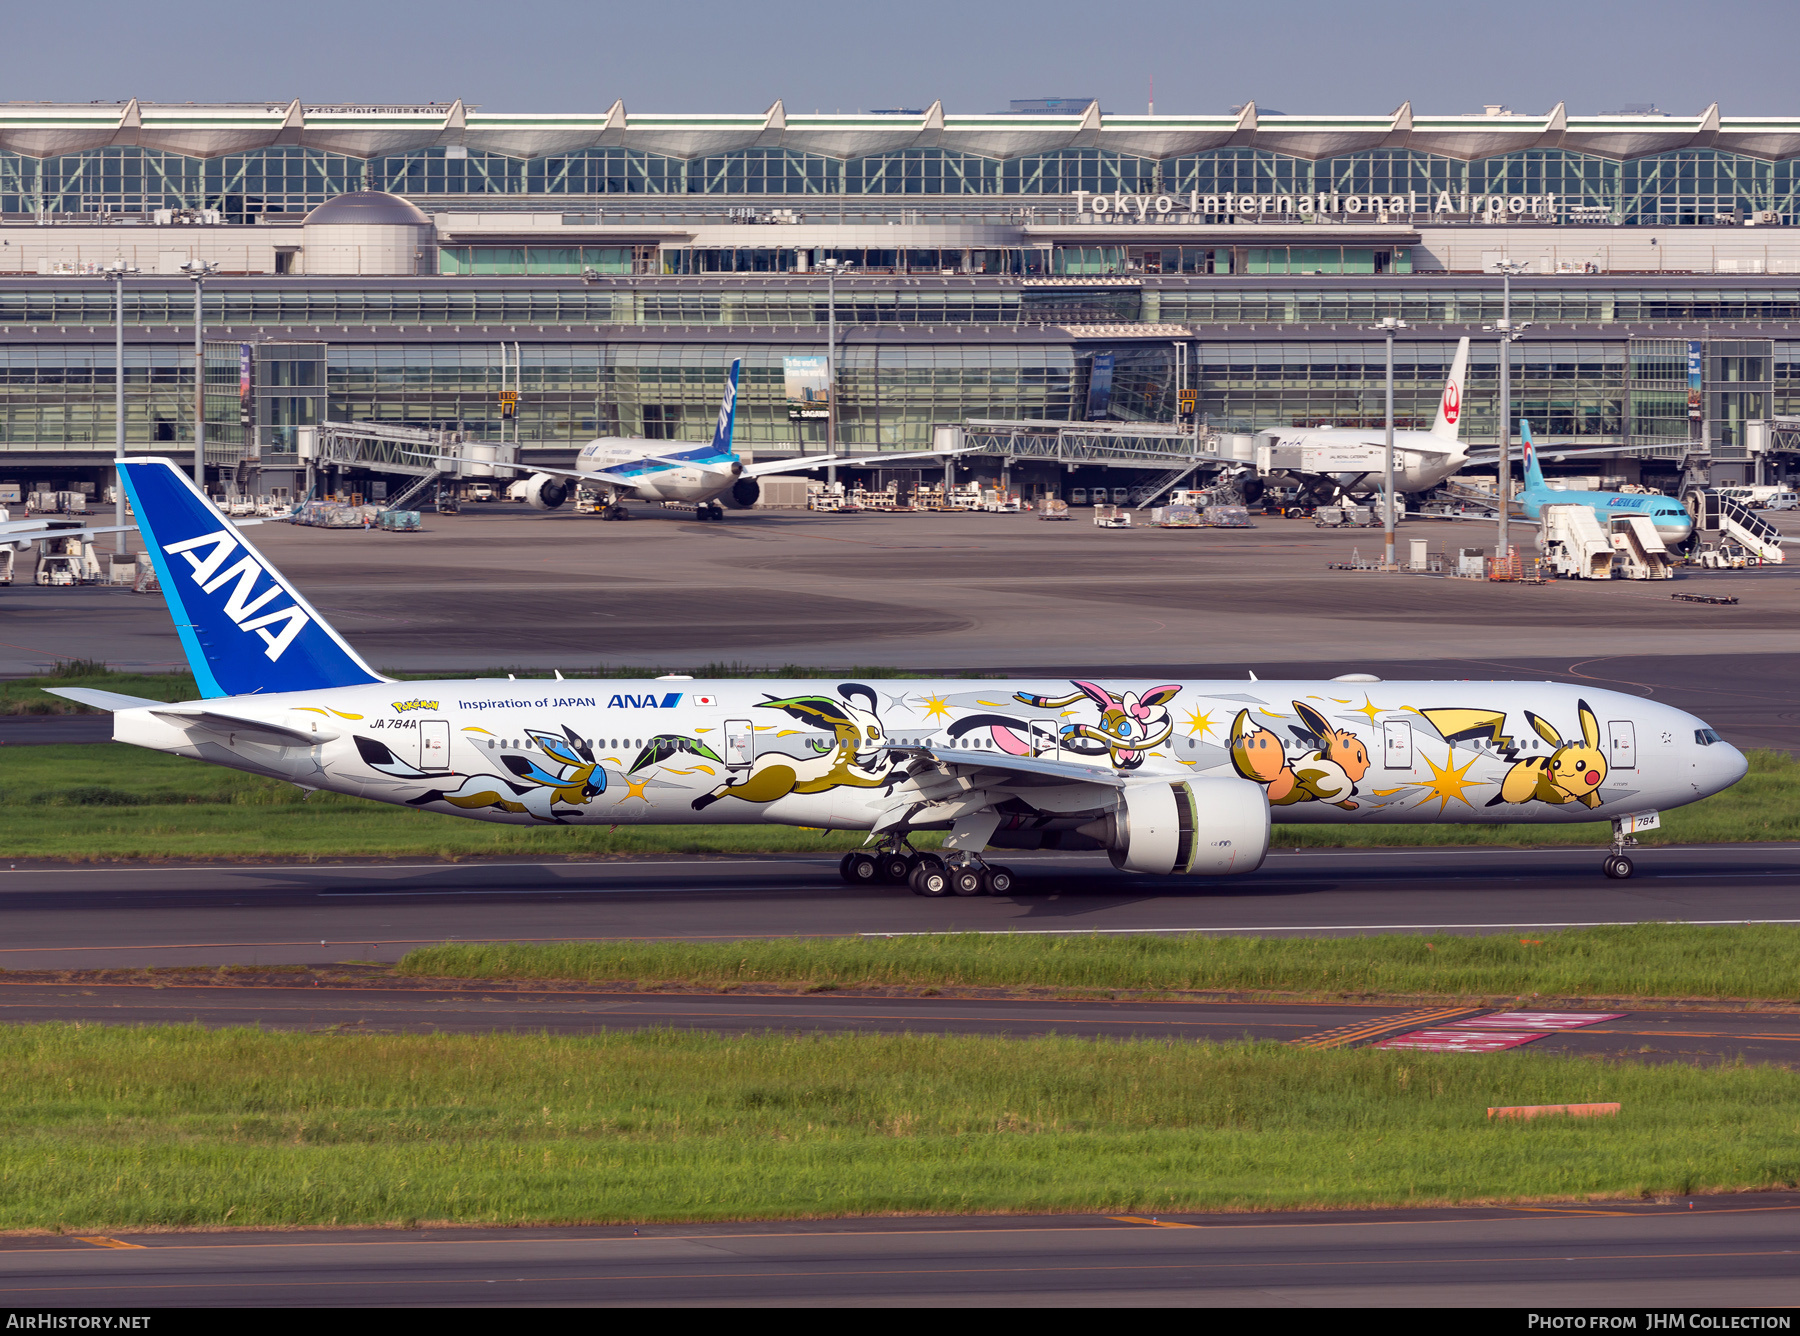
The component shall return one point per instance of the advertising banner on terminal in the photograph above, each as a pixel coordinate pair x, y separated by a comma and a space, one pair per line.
1100, 387
808, 388
1694, 355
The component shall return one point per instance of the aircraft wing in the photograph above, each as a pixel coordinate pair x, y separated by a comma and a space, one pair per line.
574, 475
881, 459
1029, 768
1547, 452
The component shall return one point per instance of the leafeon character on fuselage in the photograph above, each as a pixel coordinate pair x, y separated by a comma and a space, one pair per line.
1165, 777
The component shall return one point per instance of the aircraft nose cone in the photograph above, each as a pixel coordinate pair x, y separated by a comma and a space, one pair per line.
1731, 764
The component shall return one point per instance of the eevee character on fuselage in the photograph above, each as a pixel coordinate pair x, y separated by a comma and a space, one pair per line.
1329, 774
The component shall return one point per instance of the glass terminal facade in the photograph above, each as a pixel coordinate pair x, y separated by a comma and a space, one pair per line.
1680, 187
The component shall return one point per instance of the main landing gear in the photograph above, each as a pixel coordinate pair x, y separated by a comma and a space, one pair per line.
615, 512
927, 874
1617, 865
712, 510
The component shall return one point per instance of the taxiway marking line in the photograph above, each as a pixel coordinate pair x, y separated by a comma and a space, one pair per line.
823, 1273
101, 1241
1345, 1035
1357, 1223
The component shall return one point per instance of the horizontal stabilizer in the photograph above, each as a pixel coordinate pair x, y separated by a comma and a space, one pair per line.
110, 701
259, 730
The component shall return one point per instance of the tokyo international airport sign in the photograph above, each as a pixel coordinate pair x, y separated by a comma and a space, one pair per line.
1117, 206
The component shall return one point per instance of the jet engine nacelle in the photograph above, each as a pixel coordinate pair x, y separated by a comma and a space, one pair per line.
1211, 827
544, 492
743, 494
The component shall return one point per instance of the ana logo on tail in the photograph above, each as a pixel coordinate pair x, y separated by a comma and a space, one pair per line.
277, 628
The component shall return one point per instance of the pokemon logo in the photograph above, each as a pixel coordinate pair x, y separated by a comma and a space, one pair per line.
402, 706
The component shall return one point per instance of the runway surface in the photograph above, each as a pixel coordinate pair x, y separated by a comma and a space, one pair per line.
1731, 1252
89, 917
379, 1006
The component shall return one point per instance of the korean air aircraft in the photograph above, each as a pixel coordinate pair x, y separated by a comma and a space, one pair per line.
708, 477
1670, 518
1167, 778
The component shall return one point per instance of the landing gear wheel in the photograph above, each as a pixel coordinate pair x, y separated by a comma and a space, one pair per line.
968, 881
617, 512
896, 868
931, 879
714, 513
862, 869
1000, 881
1618, 867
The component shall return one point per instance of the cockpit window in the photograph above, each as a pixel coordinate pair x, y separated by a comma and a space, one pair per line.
1706, 737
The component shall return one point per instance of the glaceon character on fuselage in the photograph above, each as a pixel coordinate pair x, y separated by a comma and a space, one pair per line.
1166, 777
709, 477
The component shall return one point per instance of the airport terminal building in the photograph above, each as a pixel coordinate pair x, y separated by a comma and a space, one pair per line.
407, 265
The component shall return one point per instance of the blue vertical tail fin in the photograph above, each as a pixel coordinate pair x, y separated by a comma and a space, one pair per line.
721, 441
244, 627
1534, 476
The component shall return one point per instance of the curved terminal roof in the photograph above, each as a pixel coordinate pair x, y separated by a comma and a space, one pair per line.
368, 208
42, 130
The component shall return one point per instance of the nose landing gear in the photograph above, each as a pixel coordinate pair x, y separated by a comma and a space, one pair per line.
1617, 865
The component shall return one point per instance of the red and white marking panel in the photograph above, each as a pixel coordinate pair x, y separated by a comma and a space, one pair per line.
1537, 1020
1460, 1041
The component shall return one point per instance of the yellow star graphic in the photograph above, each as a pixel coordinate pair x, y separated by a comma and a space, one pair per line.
1448, 783
1198, 724
1369, 708
637, 787
936, 708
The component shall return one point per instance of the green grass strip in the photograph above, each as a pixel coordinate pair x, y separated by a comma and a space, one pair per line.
115, 1127
1642, 960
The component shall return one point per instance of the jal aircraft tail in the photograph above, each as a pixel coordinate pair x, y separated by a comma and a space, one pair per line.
1534, 476
1450, 406
245, 628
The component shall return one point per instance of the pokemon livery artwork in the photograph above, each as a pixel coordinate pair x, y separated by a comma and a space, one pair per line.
1165, 777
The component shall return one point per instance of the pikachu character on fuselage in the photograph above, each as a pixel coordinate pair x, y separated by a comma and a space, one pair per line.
1328, 774
1570, 774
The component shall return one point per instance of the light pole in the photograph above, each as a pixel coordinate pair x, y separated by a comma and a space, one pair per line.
1509, 334
197, 270
832, 266
117, 271
1389, 325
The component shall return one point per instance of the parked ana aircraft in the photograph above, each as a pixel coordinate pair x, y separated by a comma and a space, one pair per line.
1166, 777
1670, 518
708, 477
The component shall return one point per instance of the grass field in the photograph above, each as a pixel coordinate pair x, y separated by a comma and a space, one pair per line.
1642, 961
113, 1127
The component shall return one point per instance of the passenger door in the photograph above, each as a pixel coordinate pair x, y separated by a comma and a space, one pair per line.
740, 743
1397, 745
1046, 737
1622, 755
434, 744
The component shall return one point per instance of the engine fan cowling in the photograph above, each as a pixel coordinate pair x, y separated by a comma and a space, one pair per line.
544, 492
1211, 827
744, 494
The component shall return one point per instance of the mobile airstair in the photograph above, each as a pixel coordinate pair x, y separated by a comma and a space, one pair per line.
1574, 544
1638, 551
1735, 523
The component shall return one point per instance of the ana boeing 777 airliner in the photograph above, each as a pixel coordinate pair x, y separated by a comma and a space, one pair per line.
1168, 778
708, 477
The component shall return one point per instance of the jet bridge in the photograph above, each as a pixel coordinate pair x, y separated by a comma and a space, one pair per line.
1173, 451
430, 456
